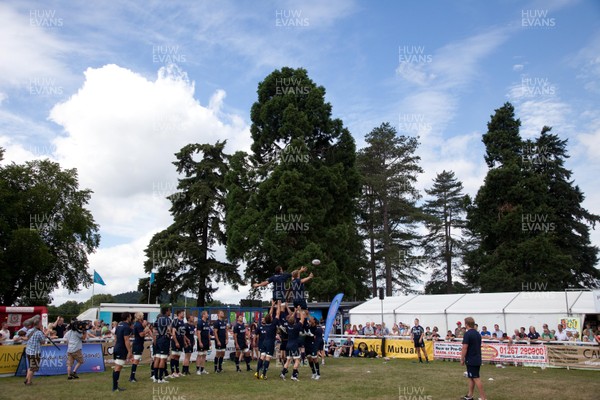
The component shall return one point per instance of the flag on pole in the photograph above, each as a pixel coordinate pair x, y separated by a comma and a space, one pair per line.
151, 278
98, 279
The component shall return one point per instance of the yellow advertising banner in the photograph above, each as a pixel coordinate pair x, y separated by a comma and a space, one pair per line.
574, 356
367, 345
10, 356
398, 348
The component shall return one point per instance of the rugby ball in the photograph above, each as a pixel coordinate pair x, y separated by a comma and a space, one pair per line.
316, 262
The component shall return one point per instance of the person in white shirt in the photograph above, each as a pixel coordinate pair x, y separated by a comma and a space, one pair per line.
560, 334
497, 331
4, 331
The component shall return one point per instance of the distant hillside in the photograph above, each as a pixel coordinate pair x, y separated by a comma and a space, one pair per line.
132, 297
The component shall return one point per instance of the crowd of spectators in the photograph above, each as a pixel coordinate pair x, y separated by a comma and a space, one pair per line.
519, 334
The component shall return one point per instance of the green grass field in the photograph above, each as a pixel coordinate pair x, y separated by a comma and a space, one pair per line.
341, 379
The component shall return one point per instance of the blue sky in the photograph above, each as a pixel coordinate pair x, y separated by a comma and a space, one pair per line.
90, 86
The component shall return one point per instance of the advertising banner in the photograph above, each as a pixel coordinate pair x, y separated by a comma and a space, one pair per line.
399, 348
9, 358
574, 356
367, 345
54, 361
495, 352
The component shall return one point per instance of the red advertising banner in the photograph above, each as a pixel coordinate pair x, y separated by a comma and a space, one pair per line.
496, 352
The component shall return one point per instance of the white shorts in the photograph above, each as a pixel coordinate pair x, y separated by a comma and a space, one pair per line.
137, 356
120, 362
161, 356
202, 353
176, 353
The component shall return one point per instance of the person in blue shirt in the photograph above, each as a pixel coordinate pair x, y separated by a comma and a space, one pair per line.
418, 335
241, 344
278, 280
203, 333
122, 349
189, 328
139, 334
162, 330
296, 325
471, 357
221, 332
177, 342
313, 344
282, 330
268, 331
298, 289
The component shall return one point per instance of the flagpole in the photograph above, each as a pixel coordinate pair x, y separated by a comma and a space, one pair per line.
149, 286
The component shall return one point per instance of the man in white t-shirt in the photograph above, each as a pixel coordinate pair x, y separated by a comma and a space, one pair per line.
561, 334
368, 331
497, 331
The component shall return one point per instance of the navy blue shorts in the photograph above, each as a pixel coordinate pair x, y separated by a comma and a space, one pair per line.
310, 349
301, 303
473, 371
283, 345
419, 344
162, 345
137, 350
269, 349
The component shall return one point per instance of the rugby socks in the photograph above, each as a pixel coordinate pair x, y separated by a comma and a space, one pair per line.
237, 364
266, 367
133, 369
221, 363
295, 373
317, 367
312, 366
284, 371
176, 366
248, 359
259, 365
116, 379
172, 365
216, 364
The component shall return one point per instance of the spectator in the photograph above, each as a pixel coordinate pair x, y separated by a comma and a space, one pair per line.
517, 335
395, 330
505, 338
347, 330
450, 336
384, 330
461, 332
361, 330
368, 330
586, 336
60, 327
575, 337
546, 334
20, 337
497, 331
561, 335
355, 330
331, 348
347, 348
378, 330
428, 333
533, 335
4, 331
457, 329
485, 334
597, 337
435, 334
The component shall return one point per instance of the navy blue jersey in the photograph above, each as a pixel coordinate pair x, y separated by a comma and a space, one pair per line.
122, 333
240, 331
472, 338
298, 290
189, 330
262, 333
417, 331
310, 337
283, 328
270, 332
294, 336
319, 335
204, 328
163, 325
278, 281
220, 327
138, 329
179, 327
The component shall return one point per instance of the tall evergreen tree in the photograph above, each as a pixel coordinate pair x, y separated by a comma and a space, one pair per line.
443, 244
183, 253
294, 198
389, 168
527, 217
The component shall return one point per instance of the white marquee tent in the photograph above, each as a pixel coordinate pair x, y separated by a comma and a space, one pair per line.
509, 310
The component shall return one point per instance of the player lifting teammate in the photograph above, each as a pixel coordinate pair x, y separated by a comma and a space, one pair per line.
293, 352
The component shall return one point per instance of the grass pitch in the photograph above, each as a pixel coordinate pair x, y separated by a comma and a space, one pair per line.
341, 378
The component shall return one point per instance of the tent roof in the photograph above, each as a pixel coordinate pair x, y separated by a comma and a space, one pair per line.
428, 304
532, 302
373, 306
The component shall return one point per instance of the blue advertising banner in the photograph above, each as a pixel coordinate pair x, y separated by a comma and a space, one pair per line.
333, 308
54, 361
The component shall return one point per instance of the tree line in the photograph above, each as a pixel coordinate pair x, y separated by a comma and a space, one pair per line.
303, 191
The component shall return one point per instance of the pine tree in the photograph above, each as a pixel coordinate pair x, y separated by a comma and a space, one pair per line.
443, 244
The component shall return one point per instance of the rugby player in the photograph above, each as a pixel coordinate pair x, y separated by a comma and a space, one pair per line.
203, 334
221, 332
122, 349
